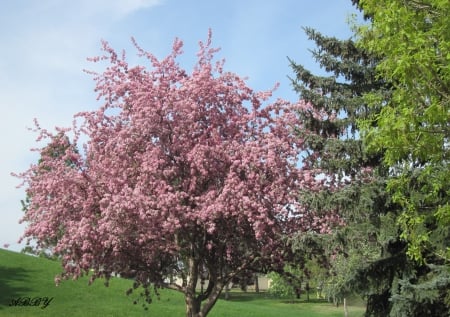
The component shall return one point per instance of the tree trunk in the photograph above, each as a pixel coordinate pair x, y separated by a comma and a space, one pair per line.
345, 308
298, 292
192, 302
335, 301
227, 291
307, 291
192, 306
256, 283
193, 299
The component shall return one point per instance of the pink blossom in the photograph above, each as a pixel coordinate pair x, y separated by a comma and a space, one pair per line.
180, 169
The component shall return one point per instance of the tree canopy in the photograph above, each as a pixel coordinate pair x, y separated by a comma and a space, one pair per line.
369, 255
412, 41
411, 128
185, 177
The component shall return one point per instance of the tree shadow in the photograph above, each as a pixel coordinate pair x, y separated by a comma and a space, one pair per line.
303, 300
9, 290
244, 296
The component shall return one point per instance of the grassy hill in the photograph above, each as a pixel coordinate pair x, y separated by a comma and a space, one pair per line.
27, 276
24, 276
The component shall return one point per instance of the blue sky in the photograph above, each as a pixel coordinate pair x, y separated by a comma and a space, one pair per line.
45, 43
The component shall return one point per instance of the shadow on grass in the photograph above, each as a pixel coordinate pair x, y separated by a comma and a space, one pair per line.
303, 301
9, 290
236, 296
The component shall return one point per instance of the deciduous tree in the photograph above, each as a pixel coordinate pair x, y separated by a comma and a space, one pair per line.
185, 175
412, 41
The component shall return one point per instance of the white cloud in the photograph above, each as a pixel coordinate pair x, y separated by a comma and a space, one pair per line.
125, 7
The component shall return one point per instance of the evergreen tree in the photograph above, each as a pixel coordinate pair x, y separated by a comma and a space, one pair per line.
355, 181
369, 247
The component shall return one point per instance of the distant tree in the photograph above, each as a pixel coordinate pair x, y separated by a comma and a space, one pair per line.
287, 282
308, 269
244, 279
183, 175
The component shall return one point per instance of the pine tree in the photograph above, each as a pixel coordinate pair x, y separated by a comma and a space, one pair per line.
355, 180
369, 247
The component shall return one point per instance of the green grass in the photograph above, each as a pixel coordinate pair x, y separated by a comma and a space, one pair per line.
262, 305
27, 276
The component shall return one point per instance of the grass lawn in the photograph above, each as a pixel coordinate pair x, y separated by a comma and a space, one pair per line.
26, 276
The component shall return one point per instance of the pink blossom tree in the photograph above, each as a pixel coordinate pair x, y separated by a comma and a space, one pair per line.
184, 177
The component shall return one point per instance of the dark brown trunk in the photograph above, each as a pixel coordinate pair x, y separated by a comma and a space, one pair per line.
307, 291
194, 307
192, 303
256, 283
